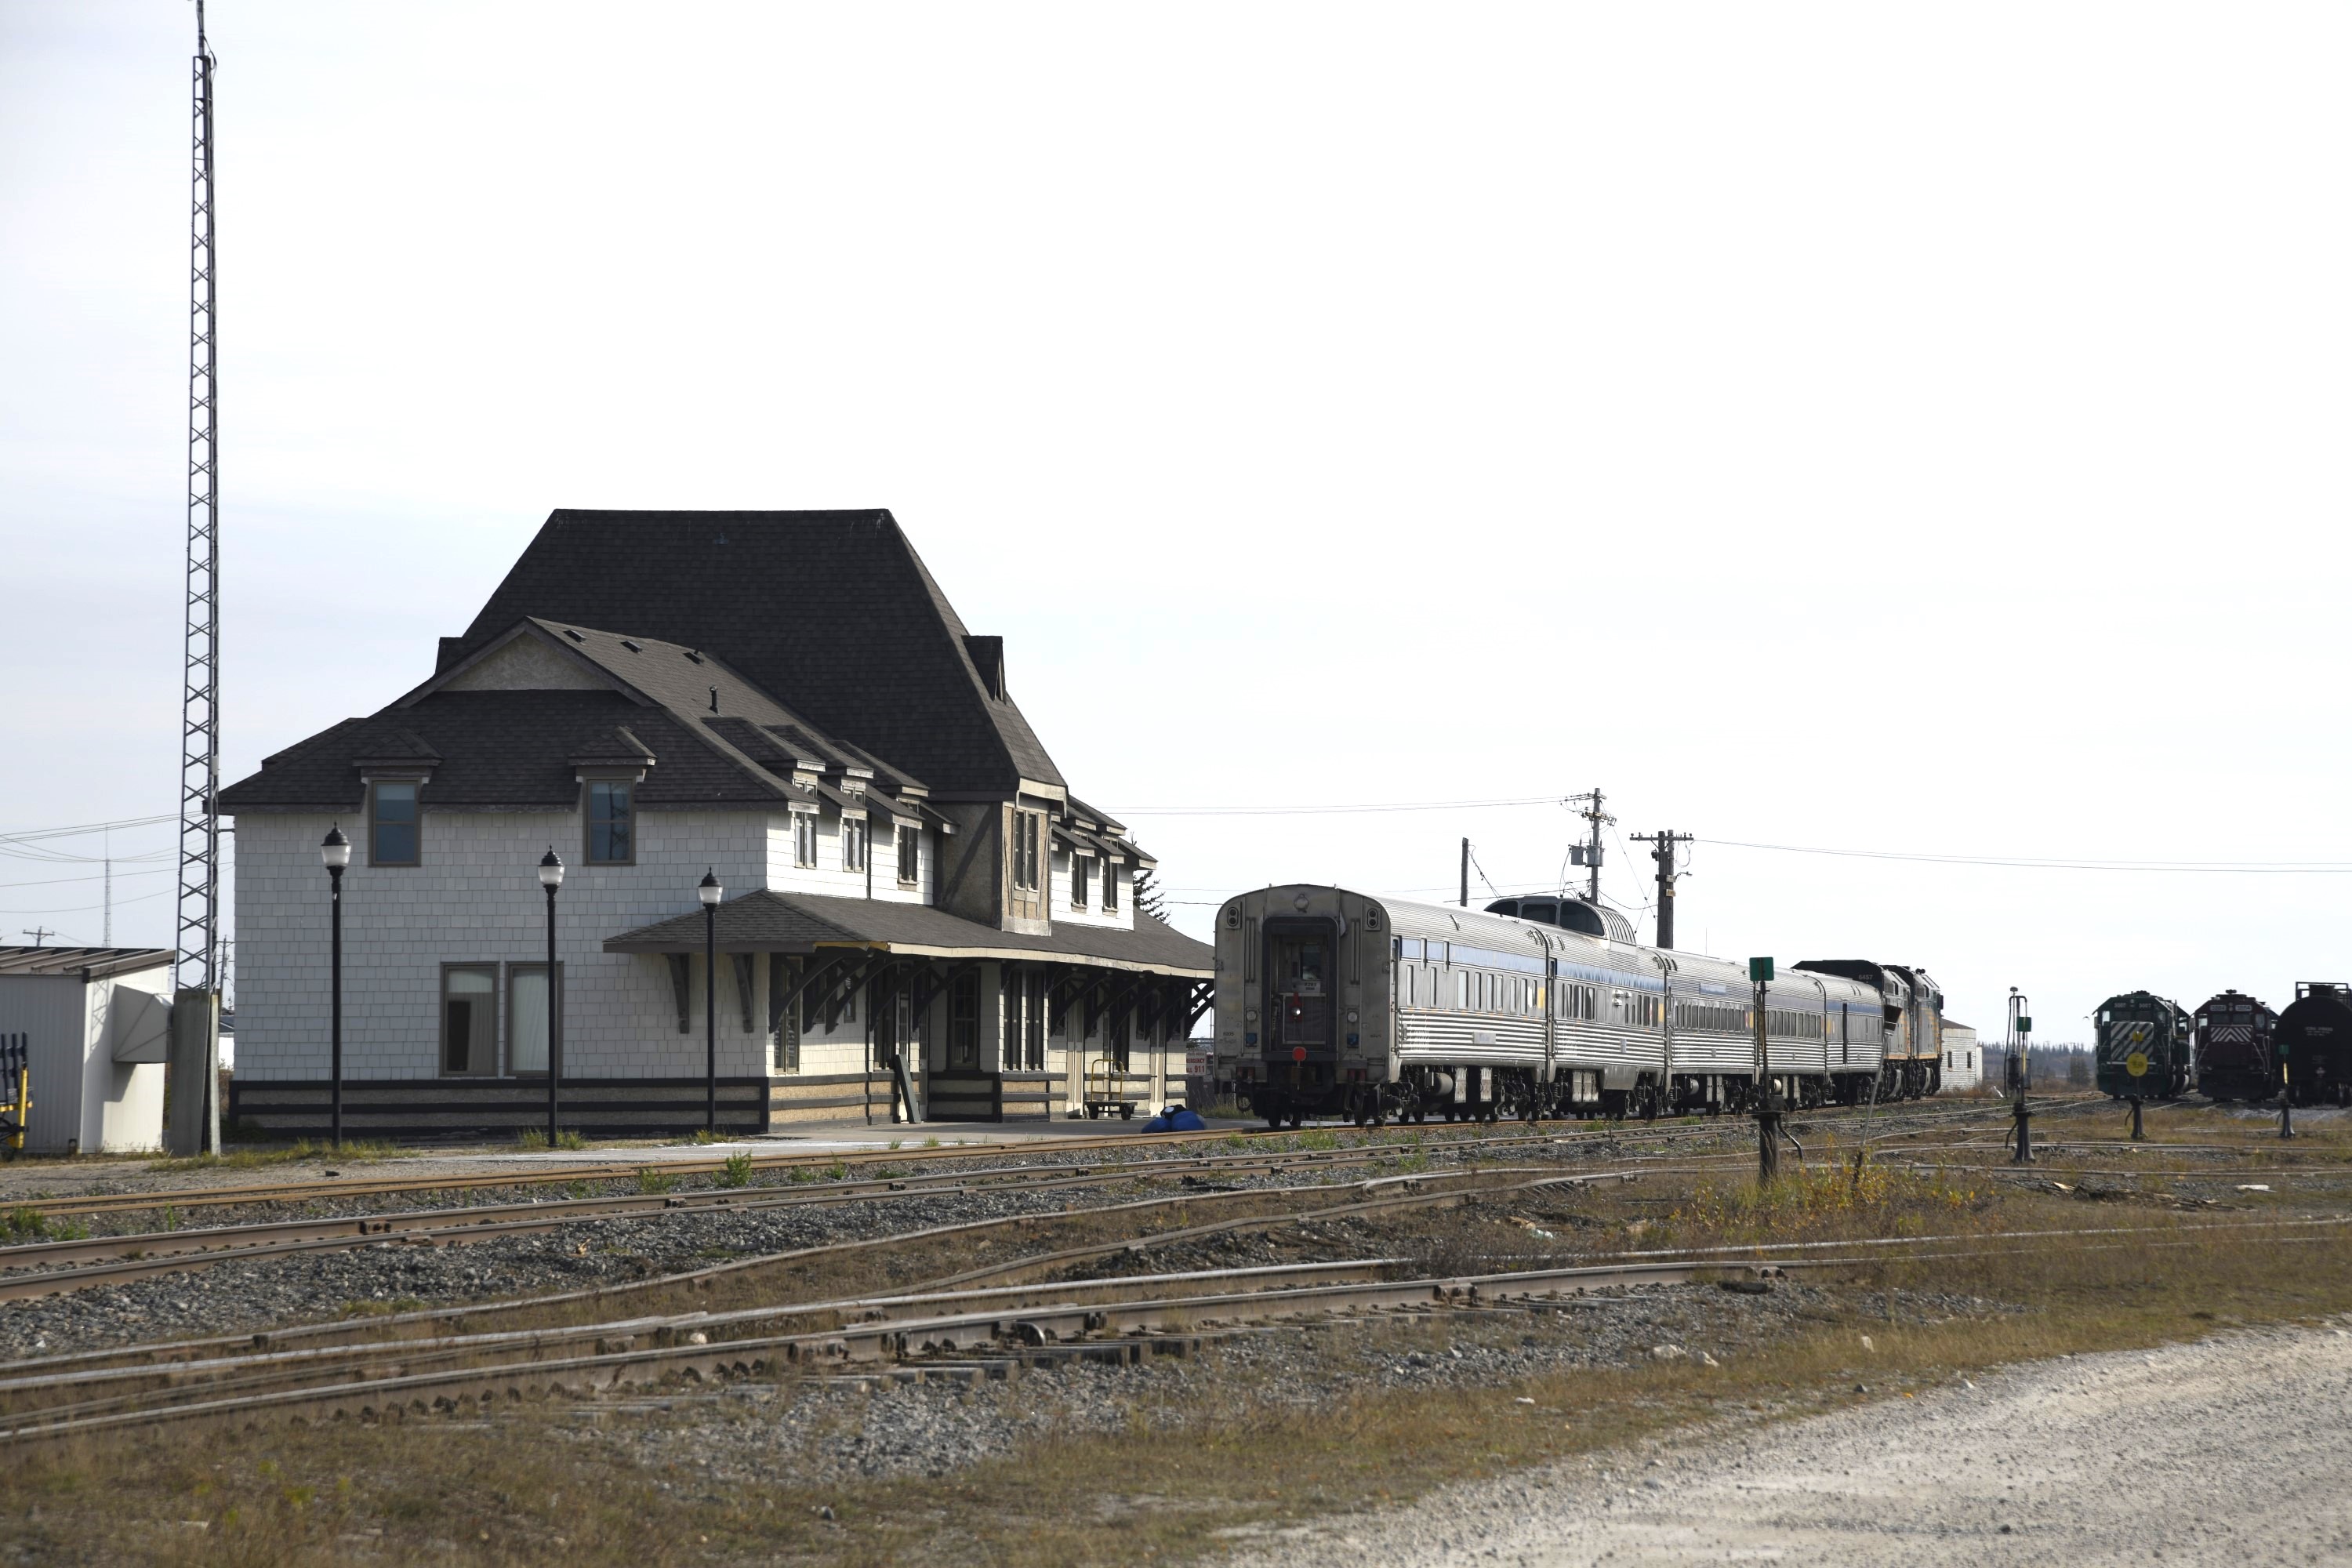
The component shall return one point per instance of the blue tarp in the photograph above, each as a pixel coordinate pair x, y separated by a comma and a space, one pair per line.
1176, 1119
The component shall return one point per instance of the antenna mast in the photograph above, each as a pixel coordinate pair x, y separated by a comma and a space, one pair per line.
194, 964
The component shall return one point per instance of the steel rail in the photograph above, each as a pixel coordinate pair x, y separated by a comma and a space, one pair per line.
1029, 1326
179, 1352
890, 1311
1142, 1144
260, 1369
84, 1262
118, 1259
451, 1229
169, 1352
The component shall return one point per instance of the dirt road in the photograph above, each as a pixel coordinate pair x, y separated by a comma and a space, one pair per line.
2232, 1451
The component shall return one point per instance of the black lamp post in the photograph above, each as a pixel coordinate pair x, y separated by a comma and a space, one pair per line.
550, 876
335, 853
711, 893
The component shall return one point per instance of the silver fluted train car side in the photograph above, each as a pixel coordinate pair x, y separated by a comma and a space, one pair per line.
1335, 1003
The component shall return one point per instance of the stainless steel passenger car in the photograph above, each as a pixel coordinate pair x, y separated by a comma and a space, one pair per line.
1331, 1002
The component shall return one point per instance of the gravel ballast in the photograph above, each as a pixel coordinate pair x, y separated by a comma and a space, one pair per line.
2228, 1451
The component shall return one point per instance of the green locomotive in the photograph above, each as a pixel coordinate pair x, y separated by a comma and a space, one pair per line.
2145, 1031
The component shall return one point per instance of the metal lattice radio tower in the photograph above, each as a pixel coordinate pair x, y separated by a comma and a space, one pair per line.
194, 965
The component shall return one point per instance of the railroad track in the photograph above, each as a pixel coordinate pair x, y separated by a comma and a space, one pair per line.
1141, 1147
45, 1269
945, 1323
1029, 1325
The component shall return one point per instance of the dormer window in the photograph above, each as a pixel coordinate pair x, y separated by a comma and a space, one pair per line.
853, 844
1110, 889
910, 856
395, 835
611, 827
805, 838
1081, 873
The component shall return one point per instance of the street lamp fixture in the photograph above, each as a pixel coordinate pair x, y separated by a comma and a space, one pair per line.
335, 853
711, 892
550, 876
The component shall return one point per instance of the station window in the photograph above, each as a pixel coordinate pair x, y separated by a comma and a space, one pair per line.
1109, 889
804, 838
910, 856
527, 1017
854, 832
1081, 874
469, 1020
1021, 846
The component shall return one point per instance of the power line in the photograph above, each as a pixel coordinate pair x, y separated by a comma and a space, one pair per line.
2030, 863
85, 908
89, 876
79, 828
1333, 810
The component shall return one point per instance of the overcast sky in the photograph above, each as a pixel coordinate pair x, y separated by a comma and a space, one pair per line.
1892, 428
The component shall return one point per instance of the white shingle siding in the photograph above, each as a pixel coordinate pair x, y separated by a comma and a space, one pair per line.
477, 900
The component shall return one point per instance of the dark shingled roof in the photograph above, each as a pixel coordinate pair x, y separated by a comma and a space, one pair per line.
831, 611
505, 748
767, 921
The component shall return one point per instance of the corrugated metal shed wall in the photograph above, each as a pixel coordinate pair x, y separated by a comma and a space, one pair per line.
52, 1009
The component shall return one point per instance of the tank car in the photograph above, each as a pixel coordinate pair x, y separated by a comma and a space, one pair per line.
1335, 1003
2142, 1026
2312, 1042
2233, 1048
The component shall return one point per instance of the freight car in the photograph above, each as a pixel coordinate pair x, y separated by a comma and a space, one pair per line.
2233, 1048
2142, 1028
1335, 1003
2314, 1043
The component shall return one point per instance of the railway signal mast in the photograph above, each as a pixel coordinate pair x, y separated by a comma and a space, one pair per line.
195, 979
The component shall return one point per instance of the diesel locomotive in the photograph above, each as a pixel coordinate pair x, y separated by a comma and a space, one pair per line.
2314, 1043
2234, 1059
2144, 1030
1331, 1001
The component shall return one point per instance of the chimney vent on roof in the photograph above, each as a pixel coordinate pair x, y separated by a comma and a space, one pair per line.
714, 699
988, 657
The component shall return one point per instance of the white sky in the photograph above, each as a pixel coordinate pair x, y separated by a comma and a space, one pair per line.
1882, 428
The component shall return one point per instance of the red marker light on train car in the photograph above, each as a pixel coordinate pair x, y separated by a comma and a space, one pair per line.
1298, 1053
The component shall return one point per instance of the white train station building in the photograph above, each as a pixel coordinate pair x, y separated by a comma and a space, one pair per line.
784, 701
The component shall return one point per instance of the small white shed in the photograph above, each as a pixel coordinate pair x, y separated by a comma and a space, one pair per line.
97, 1021
1963, 1066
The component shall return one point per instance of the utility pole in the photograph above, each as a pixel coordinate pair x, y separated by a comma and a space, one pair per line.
1466, 873
39, 934
194, 1054
1587, 854
1662, 850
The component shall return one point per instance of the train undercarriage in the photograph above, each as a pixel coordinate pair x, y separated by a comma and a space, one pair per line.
1460, 1094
